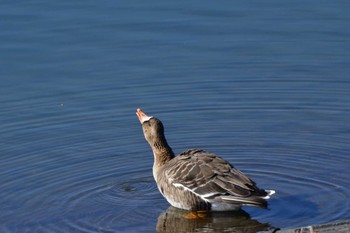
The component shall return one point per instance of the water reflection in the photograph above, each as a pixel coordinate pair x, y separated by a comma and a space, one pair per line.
176, 220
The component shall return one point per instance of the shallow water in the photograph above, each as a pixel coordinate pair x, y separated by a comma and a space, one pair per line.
264, 85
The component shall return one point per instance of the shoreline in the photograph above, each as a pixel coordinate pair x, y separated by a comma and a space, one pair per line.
339, 226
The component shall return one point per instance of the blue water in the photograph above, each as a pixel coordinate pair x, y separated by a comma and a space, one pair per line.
263, 84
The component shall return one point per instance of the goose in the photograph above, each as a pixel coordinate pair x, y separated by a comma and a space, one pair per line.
196, 179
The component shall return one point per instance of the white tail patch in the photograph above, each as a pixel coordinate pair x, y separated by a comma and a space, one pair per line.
269, 194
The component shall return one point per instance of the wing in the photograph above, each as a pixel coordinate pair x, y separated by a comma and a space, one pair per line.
211, 177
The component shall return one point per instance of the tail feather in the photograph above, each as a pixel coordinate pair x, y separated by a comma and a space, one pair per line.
269, 194
259, 201
251, 201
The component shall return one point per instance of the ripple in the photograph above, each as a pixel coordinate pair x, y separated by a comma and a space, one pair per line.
304, 182
111, 197
304, 161
133, 188
89, 183
76, 160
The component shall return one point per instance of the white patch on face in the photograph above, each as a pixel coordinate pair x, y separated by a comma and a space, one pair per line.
145, 118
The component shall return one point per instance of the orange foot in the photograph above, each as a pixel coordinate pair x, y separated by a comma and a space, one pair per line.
196, 214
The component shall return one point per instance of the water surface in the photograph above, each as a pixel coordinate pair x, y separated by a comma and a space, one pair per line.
263, 84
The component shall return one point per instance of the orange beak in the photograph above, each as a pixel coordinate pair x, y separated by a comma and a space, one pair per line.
142, 116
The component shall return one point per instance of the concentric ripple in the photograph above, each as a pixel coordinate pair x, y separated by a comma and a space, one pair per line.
89, 183
309, 177
265, 86
111, 197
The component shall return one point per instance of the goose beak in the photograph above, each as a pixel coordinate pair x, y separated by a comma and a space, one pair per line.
142, 116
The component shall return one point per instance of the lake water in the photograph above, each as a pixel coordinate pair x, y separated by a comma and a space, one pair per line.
264, 84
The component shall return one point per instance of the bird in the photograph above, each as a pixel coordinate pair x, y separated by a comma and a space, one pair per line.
196, 179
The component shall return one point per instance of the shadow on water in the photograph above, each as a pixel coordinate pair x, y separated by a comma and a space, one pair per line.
176, 220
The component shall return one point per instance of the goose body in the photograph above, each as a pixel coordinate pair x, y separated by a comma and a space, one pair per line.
197, 179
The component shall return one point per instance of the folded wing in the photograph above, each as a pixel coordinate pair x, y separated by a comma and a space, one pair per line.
214, 180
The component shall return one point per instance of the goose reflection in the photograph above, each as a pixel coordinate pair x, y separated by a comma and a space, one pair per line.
176, 220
